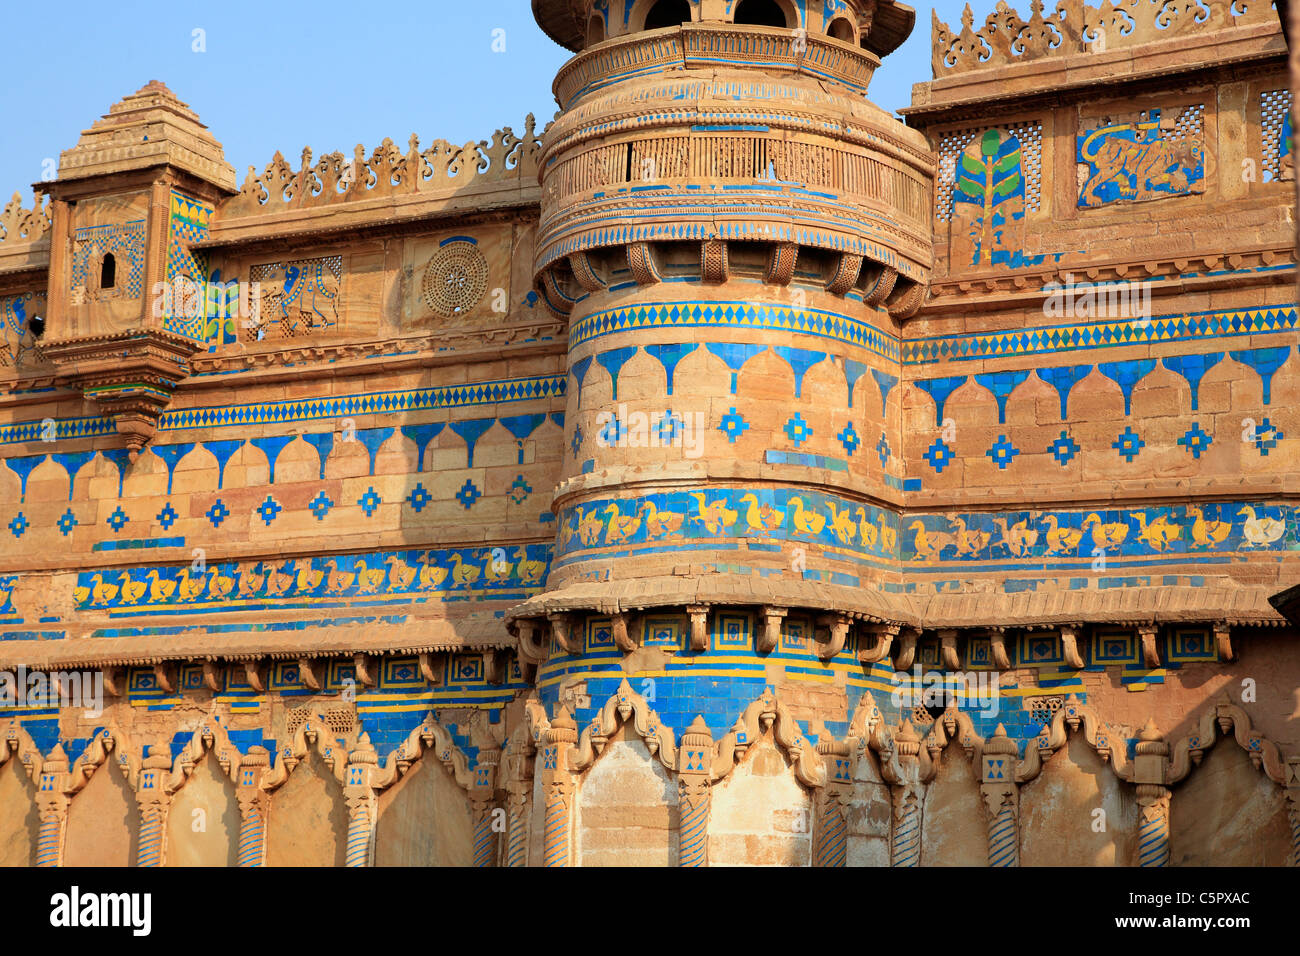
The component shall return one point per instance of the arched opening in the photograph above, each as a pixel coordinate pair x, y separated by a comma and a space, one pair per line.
667, 13
842, 29
595, 31
761, 13
108, 271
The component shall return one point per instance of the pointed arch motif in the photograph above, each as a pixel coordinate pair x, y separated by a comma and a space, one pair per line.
1232, 721
625, 705
211, 736
15, 741
769, 712
313, 734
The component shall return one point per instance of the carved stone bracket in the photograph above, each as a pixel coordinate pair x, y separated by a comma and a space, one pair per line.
699, 614
770, 636
1223, 641
838, 625
884, 635
1150, 646
1070, 634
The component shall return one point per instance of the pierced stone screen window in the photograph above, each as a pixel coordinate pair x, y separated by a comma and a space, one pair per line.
954, 142
340, 721
1276, 133
1042, 709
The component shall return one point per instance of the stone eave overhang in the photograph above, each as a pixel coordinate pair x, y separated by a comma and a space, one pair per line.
1034, 609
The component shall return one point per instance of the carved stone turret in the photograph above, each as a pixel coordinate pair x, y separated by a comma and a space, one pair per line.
127, 302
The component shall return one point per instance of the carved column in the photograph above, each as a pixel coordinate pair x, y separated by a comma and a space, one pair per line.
1001, 798
154, 801
252, 807
694, 793
483, 806
1293, 808
359, 795
832, 805
558, 788
1150, 772
52, 806
907, 793
519, 787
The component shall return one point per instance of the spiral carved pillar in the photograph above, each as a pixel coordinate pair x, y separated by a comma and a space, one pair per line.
908, 794
1150, 773
483, 808
832, 803
52, 806
558, 790
252, 807
1293, 808
154, 800
1001, 795
694, 794
359, 794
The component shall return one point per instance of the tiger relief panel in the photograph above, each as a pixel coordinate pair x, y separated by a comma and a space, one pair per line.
1137, 157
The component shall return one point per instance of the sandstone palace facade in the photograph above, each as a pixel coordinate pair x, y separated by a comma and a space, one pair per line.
726, 473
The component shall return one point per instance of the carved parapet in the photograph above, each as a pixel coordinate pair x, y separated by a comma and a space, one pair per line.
1077, 28
24, 225
389, 171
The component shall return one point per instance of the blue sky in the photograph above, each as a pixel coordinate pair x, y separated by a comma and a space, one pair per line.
286, 75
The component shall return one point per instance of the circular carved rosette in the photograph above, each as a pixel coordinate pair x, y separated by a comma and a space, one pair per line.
455, 280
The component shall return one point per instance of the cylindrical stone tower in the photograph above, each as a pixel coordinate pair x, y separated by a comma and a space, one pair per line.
734, 234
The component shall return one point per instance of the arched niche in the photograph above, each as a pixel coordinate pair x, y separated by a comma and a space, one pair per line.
761, 815
308, 822
424, 820
103, 821
766, 13
203, 823
1227, 813
841, 28
953, 824
627, 808
868, 817
1059, 823
658, 14
19, 816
